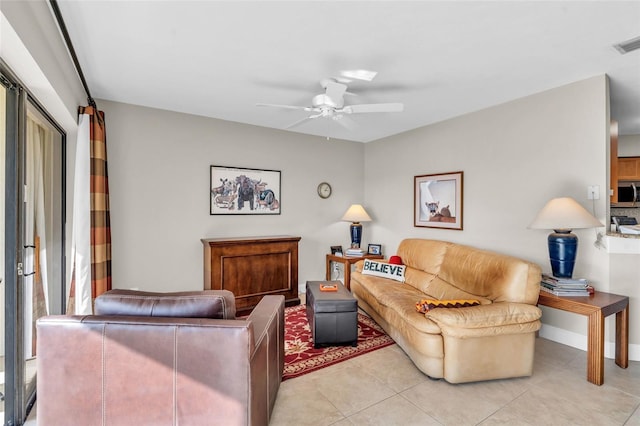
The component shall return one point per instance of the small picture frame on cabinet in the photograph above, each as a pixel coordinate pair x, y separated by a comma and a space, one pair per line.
375, 249
336, 250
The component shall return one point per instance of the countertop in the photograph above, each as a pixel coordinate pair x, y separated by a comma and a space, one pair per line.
618, 243
621, 235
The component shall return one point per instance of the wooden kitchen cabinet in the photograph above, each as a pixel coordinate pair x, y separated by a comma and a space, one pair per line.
252, 267
629, 168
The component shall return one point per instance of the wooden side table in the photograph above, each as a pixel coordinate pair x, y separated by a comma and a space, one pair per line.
347, 261
597, 306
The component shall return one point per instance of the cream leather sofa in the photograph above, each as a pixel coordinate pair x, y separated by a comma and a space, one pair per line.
493, 340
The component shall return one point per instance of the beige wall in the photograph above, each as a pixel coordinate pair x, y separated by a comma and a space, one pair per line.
159, 180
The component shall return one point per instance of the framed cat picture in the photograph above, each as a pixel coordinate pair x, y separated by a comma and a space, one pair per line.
437, 201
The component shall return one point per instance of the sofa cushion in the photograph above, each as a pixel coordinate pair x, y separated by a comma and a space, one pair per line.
447, 270
424, 255
487, 316
383, 269
214, 304
437, 288
395, 299
495, 276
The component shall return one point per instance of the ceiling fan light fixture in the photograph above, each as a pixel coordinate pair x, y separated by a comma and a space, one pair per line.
330, 104
364, 75
323, 100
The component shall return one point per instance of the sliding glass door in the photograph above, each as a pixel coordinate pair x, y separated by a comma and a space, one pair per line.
3, 102
32, 265
13, 395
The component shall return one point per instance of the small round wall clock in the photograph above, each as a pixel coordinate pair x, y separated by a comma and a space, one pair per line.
324, 190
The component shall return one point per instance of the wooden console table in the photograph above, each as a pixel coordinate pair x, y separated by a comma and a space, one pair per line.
347, 261
252, 267
597, 306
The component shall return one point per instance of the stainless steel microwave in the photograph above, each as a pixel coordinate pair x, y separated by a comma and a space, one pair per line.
628, 192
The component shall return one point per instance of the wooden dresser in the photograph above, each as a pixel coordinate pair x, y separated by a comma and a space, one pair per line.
252, 267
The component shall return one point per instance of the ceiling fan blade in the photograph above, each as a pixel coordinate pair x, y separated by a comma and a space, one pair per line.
363, 108
283, 106
345, 121
364, 75
300, 122
335, 92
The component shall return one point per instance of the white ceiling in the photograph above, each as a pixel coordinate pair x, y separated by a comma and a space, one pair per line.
440, 58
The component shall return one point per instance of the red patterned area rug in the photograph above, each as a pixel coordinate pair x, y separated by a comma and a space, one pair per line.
300, 357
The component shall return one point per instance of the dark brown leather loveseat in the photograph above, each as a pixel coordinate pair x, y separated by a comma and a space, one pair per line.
161, 359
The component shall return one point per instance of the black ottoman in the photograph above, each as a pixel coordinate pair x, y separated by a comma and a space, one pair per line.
332, 315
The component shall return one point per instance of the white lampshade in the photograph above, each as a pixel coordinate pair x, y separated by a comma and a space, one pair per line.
356, 213
564, 213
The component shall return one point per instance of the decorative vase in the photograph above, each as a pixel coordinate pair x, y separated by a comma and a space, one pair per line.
563, 246
356, 234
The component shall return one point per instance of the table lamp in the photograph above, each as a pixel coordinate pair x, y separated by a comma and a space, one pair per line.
563, 215
355, 215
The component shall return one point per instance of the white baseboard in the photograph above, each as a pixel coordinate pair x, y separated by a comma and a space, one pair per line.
579, 341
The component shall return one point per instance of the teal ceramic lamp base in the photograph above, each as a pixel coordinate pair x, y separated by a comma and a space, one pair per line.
356, 234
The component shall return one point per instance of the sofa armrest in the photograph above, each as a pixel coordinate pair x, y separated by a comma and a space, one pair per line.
267, 319
482, 316
267, 359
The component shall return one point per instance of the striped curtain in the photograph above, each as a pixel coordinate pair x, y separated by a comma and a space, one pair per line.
91, 247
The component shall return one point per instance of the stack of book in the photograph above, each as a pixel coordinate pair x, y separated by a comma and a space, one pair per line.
354, 252
565, 286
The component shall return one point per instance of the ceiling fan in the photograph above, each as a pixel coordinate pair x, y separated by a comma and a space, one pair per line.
330, 104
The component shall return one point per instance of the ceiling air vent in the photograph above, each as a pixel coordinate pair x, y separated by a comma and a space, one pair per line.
628, 46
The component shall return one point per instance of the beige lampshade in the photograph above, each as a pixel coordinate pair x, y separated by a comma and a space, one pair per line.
356, 213
564, 213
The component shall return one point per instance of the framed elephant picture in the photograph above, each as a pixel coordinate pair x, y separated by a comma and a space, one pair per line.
238, 191
437, 201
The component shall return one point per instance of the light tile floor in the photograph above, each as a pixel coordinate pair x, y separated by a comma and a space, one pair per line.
385, 388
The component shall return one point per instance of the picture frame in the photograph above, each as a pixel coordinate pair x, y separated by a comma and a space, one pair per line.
374, 249
243, 191
337, 250
437, 201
